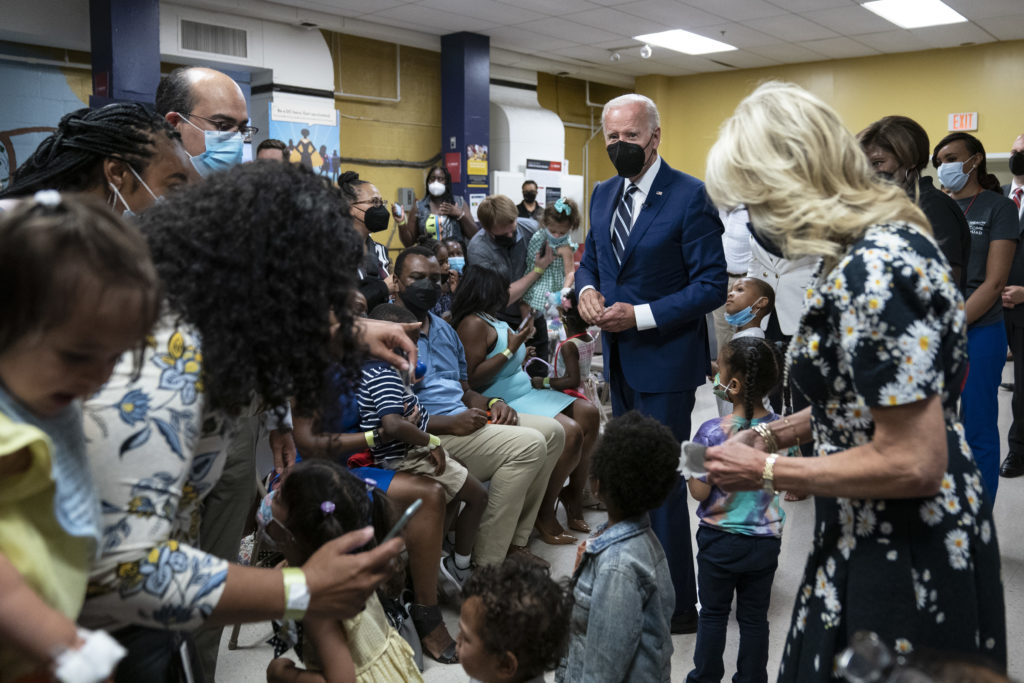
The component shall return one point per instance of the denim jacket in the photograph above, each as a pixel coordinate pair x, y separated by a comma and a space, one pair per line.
624, 575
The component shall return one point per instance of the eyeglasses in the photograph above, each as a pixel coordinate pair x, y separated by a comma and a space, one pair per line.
374, 201
229, 126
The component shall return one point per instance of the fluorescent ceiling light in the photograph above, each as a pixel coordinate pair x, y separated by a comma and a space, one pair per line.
915, 13
684, 41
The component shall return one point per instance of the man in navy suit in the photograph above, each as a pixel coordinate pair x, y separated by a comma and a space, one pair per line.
652, 268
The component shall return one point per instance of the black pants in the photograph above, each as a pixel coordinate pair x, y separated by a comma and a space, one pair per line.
1015, 338
155, 656
539, 340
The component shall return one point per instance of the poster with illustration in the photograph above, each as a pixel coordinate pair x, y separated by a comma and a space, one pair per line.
476, 165
311, 132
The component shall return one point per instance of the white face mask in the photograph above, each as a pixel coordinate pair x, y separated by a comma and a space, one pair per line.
436, 189
127, 209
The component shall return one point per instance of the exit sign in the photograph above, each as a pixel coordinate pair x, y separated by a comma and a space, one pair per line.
964, 121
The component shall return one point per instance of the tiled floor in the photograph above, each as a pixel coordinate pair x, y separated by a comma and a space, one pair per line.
249, 664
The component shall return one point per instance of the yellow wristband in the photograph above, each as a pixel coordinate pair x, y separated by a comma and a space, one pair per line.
547, 382
368, 434
434, 441
538, 270
490, 404
296, 593
507, 353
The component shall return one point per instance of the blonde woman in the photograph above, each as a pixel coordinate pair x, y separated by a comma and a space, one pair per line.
904, 542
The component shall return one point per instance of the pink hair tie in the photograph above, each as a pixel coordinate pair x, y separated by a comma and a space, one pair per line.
327, 507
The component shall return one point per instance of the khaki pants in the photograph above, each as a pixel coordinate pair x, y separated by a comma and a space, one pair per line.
417, 461
518, 462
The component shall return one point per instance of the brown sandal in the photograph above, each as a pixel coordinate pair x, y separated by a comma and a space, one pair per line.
429, 623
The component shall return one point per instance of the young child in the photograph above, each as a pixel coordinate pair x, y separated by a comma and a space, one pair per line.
319, 501
514, 623
560, 219
621, 584
750, 300
740, 533
385, 400
443, 307
79, 290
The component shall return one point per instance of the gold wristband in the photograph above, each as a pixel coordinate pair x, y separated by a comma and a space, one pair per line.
768, 474
507, 353
296, 593
490, 404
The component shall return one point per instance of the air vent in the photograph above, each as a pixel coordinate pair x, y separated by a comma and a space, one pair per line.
221, 40
725, 64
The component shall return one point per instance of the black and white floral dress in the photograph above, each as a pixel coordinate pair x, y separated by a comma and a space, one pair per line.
886, 327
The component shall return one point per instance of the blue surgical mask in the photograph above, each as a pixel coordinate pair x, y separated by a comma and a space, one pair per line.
223, 150
952, 175
557, 240
743, 317
721, 392
457, 263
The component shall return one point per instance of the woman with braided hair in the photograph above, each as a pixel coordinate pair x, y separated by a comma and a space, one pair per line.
122, 153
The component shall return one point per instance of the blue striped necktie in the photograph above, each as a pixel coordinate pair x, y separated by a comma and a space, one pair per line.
623, 222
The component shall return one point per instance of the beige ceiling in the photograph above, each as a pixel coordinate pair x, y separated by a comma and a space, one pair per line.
579, 36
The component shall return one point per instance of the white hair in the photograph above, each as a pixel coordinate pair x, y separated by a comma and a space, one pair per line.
632, 98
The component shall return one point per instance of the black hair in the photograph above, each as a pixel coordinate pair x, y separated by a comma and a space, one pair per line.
348, 182
305, 132
271, 143
571, 313
375, 291
174, 93
525, 612
48, 250
447, 196
635, 463
392, 313
261, 242
325, 500
481, 290
430, 243
454, 240
757, 364
767, 291
414, 250
529, 182
987, 180
71, 159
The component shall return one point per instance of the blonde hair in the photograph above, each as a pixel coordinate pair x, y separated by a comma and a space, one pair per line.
803, 177
497, 209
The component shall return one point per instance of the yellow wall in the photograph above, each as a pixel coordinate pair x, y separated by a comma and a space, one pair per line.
567, 98
409, 130
926, 86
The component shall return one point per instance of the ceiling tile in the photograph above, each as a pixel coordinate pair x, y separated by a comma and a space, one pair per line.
802, 6
738, 10
419, 17
742, 59
899, 40
568, 31
348, 8
790, 28
953, 35
616, 22
549, 8
671, 13
737, 35
588, 52
849, 21
839, 48
787, 53
490, 11
1004, 28
984, 9
520, 40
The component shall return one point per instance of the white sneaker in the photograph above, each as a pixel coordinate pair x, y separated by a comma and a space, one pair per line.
452, 573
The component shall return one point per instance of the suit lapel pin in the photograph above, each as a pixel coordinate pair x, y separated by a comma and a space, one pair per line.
658, 193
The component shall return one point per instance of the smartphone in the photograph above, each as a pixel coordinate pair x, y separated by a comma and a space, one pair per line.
522, 325
399, 211
403, 520
544, 249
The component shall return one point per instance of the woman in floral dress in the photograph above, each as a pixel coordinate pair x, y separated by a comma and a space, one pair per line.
904, 543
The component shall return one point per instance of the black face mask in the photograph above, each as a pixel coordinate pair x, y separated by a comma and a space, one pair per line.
529, 197
1017, 163
628, 158
765, 243
505, 241
420, 296
376, 218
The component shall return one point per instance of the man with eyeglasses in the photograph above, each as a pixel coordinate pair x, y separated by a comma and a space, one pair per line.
208, 109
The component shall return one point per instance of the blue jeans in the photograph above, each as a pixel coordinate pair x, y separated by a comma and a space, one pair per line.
979, 402
728, 563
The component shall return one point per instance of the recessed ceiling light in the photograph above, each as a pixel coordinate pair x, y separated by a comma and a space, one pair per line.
915, 13
685, 42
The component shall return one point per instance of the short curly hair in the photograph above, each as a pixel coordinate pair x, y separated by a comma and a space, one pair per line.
255, 258
635, 463
525, 611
